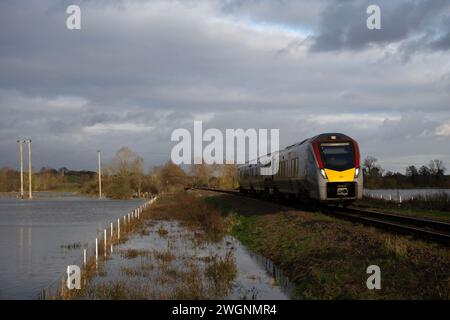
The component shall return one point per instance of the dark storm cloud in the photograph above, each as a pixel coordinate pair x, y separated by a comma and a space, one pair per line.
139, 69
343, 23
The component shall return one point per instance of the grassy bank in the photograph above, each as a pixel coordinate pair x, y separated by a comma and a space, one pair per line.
327, 258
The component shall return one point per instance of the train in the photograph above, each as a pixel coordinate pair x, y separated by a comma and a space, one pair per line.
324, 168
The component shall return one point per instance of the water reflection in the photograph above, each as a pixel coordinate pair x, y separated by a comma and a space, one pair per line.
34, 236
137, 262
283, 281
21, 248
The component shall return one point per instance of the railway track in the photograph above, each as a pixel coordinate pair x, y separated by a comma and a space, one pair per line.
426, 229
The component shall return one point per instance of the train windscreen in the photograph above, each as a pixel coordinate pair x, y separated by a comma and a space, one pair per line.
338, 156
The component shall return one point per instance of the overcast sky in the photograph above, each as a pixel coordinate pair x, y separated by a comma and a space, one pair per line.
139, 69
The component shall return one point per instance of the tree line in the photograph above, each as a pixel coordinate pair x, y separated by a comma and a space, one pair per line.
425, 176
124, 177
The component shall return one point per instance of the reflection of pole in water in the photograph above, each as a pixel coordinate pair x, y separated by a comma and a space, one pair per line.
30, 242
20, 247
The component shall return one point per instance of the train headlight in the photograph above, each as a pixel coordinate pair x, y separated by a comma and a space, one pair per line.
356, 172
323, 173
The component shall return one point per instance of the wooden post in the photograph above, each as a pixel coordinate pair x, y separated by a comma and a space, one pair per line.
99, 175
96, 250
21, 167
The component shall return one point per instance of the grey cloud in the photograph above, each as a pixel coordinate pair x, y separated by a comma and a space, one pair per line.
343, 23
139, 69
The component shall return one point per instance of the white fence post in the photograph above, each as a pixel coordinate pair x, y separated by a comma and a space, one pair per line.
118, 229
105, 242
96, 250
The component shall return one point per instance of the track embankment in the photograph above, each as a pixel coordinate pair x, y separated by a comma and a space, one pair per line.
327, 257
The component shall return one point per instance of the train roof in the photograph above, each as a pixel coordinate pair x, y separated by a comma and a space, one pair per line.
330, 137
323, 137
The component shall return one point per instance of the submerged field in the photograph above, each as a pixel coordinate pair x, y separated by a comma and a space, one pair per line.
181, 249
204, 245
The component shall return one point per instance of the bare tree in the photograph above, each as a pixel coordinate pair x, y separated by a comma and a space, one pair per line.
126, 172
229, 176
371, 167
202, 173
437, 167
170, 177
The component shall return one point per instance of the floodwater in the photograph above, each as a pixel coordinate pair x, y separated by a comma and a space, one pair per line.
405, 194
257, 277
39, 238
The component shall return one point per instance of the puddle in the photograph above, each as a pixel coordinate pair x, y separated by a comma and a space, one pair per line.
168, 261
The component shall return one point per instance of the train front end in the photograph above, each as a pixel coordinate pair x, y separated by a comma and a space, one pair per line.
339, 175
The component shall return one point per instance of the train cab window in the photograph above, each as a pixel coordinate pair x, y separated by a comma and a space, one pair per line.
338, 156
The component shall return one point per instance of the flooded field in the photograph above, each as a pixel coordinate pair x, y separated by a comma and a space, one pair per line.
168, 261
39, 238
405, 194
163, 259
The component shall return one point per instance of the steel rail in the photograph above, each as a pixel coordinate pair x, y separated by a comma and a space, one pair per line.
427, 229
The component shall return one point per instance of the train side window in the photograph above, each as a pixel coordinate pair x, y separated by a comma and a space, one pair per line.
287, 168
290, 168
293, 167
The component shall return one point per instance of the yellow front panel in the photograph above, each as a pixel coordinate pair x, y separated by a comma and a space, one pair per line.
340, 176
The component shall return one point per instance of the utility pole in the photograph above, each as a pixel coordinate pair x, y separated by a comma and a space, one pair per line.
20, 142
99, 175
30, 194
